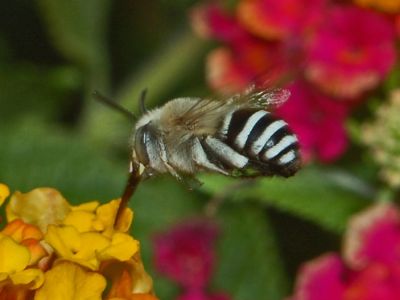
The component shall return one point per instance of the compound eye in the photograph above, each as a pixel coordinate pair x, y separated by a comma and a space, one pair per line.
142, 138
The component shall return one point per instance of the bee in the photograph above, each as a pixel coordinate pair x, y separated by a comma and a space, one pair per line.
237, 136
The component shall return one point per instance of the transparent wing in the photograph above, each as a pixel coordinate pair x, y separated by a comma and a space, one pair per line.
204, 111
266, 98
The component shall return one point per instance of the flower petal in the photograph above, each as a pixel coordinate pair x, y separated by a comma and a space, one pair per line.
122, 247
88, 206
33, 277
127, 278
13, 257
36, 250
82, 248
80, 219
19, 231
106, 216
346, 63
68, 281
389, 6
65, 240
373, 236
4, 193
272, 19
321, 279
40, 207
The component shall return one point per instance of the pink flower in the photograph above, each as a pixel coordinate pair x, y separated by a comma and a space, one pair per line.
341, 51
351, 52
271, 19
370, 269
245, 59
320, 279
317, 121
185, 253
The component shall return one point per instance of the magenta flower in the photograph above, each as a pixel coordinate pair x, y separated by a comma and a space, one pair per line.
342, 51
245, 59
317, 120
320, 279
351, 52
284, 19
185, 253
370, 269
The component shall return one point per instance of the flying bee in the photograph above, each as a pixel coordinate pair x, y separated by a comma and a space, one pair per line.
237, 136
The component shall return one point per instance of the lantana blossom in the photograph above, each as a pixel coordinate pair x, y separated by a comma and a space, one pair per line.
344, 57
340, 51
369, 267
389, 6
185, 254
59, 251
317, 120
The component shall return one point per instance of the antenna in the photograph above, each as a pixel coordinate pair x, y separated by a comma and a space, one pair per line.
142, 106
113, 104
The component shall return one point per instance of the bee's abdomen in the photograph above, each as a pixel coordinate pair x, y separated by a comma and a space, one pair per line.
264, 139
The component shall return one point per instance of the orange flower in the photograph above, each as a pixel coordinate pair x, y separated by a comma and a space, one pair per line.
129, 280
389, 6
27, 235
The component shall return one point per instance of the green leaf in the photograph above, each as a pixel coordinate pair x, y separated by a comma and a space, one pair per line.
316, 194
249, 266
27, 89
32, 156
78, 30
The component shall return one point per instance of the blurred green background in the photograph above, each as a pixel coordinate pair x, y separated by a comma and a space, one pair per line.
54, 54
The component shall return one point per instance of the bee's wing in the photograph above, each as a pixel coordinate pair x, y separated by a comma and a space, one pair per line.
203, 107
262, 98
205, 114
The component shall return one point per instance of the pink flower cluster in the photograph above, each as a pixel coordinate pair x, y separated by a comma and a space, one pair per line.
369, 268
186, 255
332, 53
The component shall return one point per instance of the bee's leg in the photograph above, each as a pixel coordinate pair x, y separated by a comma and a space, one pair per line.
201, 160
164, 158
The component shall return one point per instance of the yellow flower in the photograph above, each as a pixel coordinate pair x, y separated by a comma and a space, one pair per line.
99, 218
76, 245
68, 281
40, 207
89, 248
4, 193
106, 216
129, 280
28, 236
14, 260
389, 6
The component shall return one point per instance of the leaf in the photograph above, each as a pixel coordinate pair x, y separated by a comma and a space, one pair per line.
33, 156
31, 89
315, 194
78, 30
249, 266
